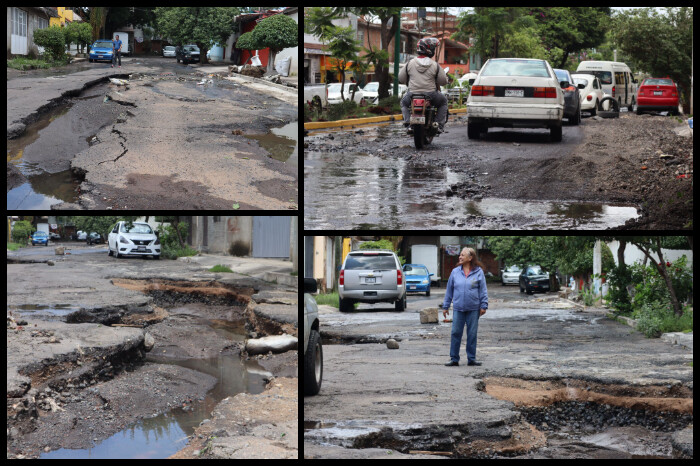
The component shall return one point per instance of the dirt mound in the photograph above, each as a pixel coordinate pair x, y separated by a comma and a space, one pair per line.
675, 399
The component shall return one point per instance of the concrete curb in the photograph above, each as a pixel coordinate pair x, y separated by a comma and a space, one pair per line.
363, 121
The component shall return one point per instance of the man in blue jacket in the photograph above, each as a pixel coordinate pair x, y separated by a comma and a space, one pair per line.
466, 289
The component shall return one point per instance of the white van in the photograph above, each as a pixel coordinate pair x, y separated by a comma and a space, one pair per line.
616, 79
124, 37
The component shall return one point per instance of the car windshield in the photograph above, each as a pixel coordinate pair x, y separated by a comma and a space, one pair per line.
578, 81
562, 75
513, 268
336, 88
136, 228
604, 76
40, 233
371, 87
413, 270
169, 48
515, 67
191, 48
376, 261
658, 82
103, 44
536, 270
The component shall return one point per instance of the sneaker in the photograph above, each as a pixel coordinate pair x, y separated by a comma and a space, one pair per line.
112, 66
409, 131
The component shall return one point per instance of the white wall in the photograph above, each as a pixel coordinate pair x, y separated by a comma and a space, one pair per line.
634, 254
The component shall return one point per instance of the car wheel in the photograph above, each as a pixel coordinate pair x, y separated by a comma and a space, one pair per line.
345, 305
555, 133
427, 293
473, 131
400, 305
313, 365
109, 249
157, 257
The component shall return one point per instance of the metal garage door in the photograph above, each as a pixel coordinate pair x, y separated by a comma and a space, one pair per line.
271, 236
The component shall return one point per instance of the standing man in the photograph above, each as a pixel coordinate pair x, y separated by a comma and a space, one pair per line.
466, 289
116, 51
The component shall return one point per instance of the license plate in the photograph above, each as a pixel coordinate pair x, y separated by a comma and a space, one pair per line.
417, 120
370, 280
514, 93
411, 287
658, 92
141, 248
100, 56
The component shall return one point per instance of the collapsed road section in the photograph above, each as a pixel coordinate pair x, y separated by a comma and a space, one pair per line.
102, 380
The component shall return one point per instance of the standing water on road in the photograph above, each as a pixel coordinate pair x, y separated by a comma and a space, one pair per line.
385, 192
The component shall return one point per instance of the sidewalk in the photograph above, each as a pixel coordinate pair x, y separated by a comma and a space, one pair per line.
270, 270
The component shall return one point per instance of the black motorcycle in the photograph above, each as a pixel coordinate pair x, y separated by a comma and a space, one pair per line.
423, 120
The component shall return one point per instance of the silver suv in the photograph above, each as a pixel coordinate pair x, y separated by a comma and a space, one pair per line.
371, 276
313, 350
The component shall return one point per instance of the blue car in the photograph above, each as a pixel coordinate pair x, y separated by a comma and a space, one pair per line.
101, 50
417, 278
40, 237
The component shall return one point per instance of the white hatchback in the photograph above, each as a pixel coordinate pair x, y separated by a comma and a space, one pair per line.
135, 239
515, 93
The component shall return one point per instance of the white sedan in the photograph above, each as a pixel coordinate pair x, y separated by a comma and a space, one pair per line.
591, 94
334, 93
137, 239
515, 93
371, 91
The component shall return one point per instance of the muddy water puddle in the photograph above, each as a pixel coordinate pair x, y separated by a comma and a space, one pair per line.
165, 434
382, 192
280, 143
42, 311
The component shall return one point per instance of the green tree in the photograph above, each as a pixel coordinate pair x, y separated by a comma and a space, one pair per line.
196, 25
490, 26
275, 32
660, 43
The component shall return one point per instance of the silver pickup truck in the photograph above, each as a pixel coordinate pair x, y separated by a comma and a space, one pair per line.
313, 350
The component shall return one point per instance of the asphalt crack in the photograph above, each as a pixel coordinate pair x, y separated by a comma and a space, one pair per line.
121, 135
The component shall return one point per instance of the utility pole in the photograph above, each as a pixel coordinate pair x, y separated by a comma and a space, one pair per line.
397, 45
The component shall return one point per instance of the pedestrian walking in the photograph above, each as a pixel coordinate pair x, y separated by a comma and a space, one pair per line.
466, 290
116, 51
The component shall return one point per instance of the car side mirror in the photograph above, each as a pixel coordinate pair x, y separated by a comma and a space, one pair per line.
431, 274
564, 84
310, 285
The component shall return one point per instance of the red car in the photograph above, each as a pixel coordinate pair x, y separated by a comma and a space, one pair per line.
657, 94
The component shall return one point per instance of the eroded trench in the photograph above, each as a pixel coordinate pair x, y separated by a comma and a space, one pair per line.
100, 401
559, 418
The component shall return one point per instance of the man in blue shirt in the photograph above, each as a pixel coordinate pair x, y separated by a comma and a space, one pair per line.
466, 289
116, 51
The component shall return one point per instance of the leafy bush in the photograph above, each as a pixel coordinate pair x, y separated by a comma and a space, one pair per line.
618, 297
170, 245
21, 230
53, 41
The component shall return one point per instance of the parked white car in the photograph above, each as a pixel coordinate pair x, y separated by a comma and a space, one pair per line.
137, 239
592, 94
371, 91
511, 275
313, 349
515, 93
334, 93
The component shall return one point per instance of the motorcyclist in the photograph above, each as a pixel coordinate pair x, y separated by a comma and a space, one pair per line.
424, 76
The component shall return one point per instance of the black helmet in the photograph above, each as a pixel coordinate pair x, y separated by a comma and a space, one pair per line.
427, 46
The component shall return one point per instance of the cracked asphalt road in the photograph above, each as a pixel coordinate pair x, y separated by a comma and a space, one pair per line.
179, 144
375, 397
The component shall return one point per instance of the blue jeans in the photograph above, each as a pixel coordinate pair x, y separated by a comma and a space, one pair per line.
471, 319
